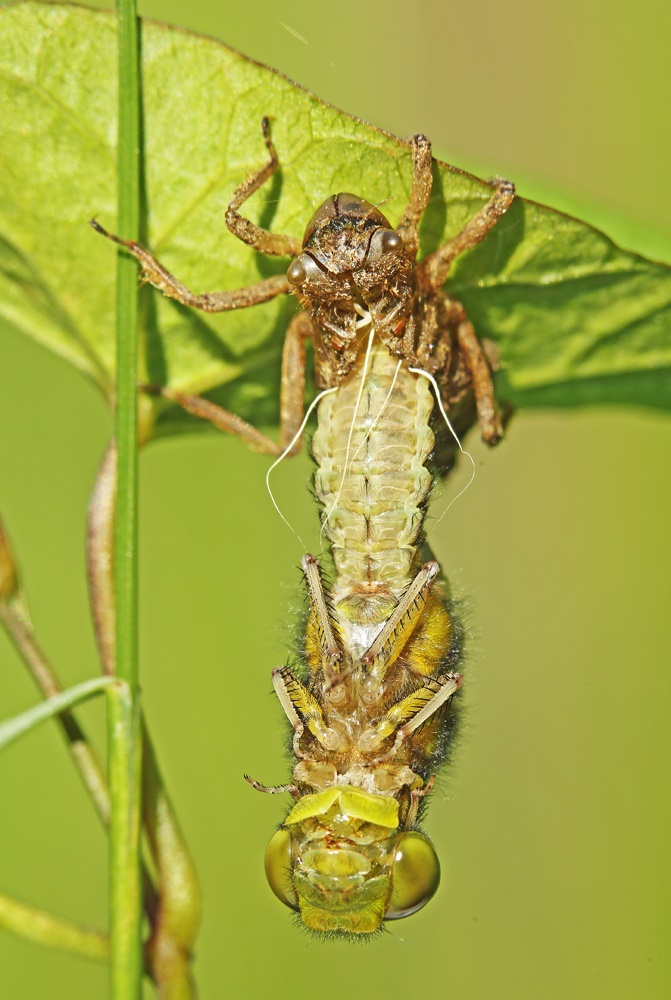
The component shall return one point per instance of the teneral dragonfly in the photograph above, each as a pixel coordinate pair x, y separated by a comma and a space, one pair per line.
370, 704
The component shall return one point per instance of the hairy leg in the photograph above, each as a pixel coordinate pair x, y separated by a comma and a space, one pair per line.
292, 398
398, 628
270, 243
445, 321
331, 653
157, 275
303, 711
436, 266
411, 713
248, 232
420, 193
483, 386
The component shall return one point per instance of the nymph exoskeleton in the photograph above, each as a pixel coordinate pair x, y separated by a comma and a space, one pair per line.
371, 709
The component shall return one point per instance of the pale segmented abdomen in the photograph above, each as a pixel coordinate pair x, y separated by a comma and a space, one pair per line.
371, 476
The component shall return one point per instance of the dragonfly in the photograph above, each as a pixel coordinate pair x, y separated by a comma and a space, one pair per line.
371, 699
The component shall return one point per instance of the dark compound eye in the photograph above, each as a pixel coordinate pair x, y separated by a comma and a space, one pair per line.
301, 269
388, 240
383, 242
296, 273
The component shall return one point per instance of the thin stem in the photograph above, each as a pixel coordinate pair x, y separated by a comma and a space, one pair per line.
125, 557
14, 617
175, 930
125, 885
125, 743
175, 915
15, 620
54, 932
18, 725
100, 556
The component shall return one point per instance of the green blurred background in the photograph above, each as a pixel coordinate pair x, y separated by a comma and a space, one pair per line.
553, 826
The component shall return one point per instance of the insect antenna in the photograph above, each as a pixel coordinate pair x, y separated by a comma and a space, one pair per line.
384, 201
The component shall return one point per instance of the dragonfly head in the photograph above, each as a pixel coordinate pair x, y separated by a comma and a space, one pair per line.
344, 236
352, 256
346, 874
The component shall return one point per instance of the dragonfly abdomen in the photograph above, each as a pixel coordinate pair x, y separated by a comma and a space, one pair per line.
371, 448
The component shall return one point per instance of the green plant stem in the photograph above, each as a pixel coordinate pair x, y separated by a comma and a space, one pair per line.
125, 555
100, 557
175, 930
53, 932
125, 743
19, 725
37, 925
18, 626
16, 620
125, 888
175, 915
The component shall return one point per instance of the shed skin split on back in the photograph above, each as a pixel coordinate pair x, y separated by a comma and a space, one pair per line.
370, 702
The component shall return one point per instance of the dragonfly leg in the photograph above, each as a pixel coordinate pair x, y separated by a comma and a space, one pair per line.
401, 623
270, 243
483, 386
420, 193
413, 712
248, 232
331, 653
303, 711
415, 795
157, 275
292, 398
292, 381
436, 266
436, 354
272, 789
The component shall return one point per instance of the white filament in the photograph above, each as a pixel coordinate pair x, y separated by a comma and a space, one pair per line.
381, 410
286, 451
364, 373
420, 371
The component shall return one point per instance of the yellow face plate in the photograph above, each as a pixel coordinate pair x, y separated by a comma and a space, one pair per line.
355, 802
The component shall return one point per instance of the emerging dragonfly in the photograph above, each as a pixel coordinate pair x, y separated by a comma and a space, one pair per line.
370, 705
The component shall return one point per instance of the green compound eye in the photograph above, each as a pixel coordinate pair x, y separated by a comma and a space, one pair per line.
277, 863
416, 875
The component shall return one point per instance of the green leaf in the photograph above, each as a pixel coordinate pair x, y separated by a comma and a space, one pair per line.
576, 318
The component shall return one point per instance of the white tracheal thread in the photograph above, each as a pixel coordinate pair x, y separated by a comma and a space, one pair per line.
381, 410
364, 316
366, 362
420, 371
286, 451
